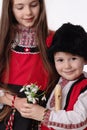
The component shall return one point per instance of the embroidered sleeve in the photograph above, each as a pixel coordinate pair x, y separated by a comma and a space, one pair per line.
46, 117
67, 120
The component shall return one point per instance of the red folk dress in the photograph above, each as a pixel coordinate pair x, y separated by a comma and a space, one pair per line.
25, 67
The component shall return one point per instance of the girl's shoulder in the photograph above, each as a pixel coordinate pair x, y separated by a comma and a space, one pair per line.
51, 32
50, 38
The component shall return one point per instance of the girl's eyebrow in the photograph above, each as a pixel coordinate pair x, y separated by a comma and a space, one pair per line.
18, 4
23, 4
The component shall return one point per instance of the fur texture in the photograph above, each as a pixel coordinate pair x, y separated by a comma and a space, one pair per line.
71, 39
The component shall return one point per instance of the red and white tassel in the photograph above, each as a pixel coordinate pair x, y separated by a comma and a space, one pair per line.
9, 125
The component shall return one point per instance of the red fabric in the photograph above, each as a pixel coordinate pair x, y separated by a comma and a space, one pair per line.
24, 72
75, 93
45, 128
26, 69
50, 38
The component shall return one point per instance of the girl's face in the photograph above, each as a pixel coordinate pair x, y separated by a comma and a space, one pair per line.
26, 12
68, 66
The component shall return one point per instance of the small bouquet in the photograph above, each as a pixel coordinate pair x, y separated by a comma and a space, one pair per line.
31, 93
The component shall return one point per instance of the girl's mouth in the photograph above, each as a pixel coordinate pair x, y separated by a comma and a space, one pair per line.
29, 19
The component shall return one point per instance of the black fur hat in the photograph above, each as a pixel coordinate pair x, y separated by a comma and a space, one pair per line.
71, 39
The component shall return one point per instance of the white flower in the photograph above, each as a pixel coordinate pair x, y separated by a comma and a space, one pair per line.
43, 98
31, 92
34, 88
22, 89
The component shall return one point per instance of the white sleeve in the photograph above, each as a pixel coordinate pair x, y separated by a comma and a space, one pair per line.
70, 120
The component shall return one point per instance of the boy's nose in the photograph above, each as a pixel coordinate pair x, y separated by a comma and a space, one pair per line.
67, 64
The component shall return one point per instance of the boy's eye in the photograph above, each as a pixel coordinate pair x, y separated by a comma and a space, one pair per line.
59, 60
74, 58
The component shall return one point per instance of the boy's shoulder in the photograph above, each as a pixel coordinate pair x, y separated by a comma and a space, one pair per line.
85, 74
82, 82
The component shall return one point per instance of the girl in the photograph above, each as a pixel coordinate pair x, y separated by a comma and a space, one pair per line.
23, 60
68, 54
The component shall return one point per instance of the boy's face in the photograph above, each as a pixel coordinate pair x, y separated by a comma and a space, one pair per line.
69, 66
26, 12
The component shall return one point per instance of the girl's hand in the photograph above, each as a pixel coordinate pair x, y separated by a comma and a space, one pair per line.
26, 110
33, 111
6, 99
19, 103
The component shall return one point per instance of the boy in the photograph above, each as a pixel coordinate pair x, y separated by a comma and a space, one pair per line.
68, 54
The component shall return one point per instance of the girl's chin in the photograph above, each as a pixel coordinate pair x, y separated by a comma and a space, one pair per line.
27, 25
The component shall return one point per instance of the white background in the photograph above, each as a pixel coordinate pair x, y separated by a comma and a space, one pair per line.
61, 11
0, 6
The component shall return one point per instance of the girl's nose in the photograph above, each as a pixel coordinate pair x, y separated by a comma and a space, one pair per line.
28, 10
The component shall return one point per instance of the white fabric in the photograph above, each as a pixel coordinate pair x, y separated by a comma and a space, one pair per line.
77, 115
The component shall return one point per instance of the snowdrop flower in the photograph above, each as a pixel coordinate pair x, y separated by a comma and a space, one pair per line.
31, 93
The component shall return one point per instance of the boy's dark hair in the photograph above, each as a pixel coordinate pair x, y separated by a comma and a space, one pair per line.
71, 39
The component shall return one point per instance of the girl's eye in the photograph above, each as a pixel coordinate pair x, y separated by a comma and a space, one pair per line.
34, 4
19, 7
